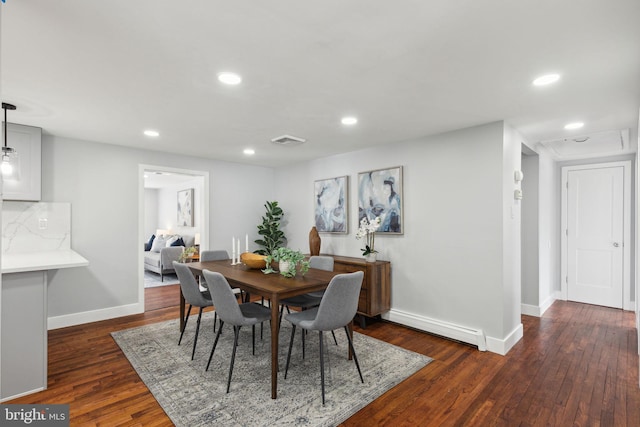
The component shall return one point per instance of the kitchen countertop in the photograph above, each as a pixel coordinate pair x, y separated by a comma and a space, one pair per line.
38, 261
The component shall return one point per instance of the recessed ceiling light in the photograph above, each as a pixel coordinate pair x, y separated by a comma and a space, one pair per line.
547, 79
152, 133
349, 120
249, 151
229, 78
575, 125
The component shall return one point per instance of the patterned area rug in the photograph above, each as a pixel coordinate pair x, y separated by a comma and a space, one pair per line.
192, 397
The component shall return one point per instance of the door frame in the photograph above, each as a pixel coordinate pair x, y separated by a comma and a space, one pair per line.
626, 247
204, 229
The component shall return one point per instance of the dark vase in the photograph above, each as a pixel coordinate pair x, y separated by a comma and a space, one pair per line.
314, 242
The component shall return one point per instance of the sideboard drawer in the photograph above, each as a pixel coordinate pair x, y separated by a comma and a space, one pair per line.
375, 295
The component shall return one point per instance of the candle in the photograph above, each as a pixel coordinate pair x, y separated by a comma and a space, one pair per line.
233, 250
246, 243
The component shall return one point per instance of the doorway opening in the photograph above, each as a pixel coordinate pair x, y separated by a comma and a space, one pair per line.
162, 212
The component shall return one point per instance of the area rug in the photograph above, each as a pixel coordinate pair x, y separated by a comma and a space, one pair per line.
152, 280
192, 397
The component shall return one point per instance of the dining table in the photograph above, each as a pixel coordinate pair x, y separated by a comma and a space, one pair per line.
274, 287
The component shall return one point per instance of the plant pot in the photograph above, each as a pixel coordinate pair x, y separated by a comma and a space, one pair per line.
283, 266
371, 257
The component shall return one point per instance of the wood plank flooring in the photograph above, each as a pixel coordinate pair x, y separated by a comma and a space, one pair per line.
577, 365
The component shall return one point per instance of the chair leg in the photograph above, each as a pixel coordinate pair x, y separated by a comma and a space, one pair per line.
184, 326
215, 319
253, 340
334, 337
236, 329
195, 340
282, 307
215, 343
293, 332
353, 351
321, 367
303, 334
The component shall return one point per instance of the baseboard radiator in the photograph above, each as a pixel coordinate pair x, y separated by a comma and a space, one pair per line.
438, 327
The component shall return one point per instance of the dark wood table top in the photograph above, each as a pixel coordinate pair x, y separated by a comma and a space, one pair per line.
256, 282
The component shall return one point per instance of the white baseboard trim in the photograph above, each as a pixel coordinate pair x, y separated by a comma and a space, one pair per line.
439, 327
537, 310
93, 316
502, 346
530, 310
35, 390
545, 305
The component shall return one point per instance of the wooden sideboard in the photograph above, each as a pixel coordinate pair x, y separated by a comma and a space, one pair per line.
375, 295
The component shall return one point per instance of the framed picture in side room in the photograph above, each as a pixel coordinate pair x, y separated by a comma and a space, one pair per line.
330, 198
380, 195
185, 208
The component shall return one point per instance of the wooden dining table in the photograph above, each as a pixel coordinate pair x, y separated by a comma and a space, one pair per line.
274, 287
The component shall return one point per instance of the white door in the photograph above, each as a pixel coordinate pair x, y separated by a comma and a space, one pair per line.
595, 230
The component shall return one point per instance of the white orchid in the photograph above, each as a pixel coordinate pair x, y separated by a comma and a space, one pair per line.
367, 231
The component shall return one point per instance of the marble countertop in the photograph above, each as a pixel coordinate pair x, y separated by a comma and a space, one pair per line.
38, 261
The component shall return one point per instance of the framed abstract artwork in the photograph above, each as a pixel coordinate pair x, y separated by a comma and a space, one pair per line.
380, 195
185, 208
330, 198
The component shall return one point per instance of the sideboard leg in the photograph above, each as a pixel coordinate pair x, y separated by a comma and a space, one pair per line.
363, 321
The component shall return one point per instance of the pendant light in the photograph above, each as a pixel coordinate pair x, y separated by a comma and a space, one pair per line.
8, 153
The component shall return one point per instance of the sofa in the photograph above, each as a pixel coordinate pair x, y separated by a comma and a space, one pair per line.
161, 251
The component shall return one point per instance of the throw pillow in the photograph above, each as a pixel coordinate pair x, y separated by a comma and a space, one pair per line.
171, 239
147, 246
178, 242
158, 243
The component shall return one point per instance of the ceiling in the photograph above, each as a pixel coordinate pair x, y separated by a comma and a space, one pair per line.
105, 71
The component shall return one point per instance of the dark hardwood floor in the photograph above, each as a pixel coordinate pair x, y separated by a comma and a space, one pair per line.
577, 365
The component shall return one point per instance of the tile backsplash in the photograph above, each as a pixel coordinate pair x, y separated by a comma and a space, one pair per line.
35, 226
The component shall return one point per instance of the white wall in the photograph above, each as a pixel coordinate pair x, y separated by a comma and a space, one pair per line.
530, 276
549, 229
101, 183
167, 207
450, 266
541, 281
150, 212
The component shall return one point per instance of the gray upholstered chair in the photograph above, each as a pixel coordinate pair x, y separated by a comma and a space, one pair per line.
217, 255
238, 315
336, 310
192, 295
312, 299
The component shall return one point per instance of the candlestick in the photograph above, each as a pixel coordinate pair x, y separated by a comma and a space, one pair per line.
233, 250
246, 243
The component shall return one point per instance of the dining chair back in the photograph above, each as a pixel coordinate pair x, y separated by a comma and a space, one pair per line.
229, 311
192, 295
214, 255
336, 310
321, 262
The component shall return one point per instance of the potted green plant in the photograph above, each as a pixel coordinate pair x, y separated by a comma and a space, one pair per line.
272, 236
187, 253
288, 262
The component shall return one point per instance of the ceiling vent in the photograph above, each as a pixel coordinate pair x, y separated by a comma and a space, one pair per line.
288, 140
